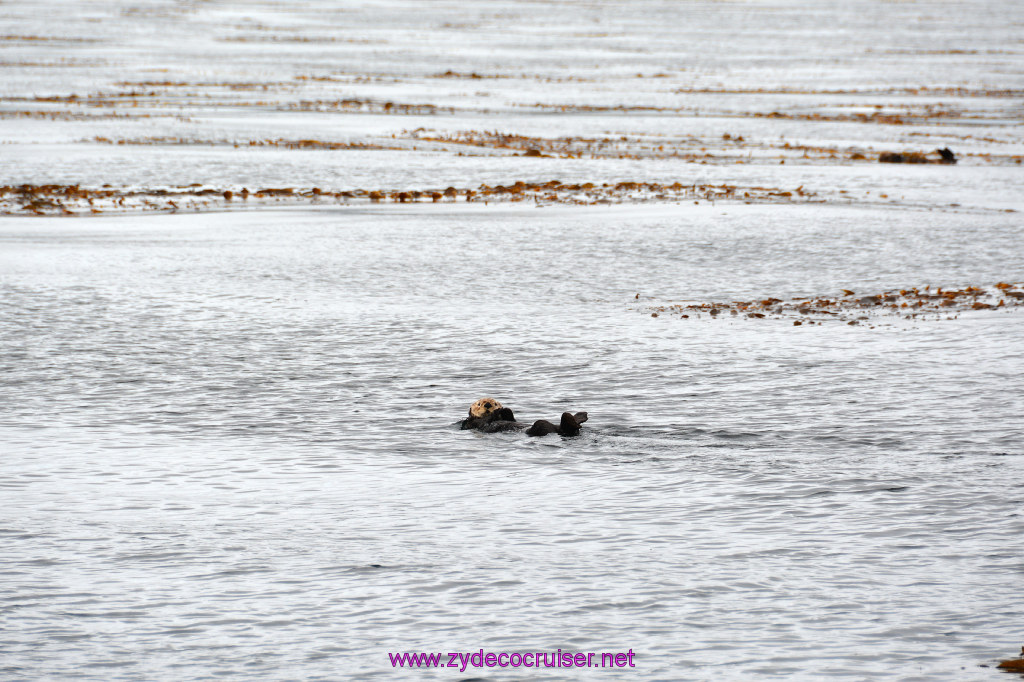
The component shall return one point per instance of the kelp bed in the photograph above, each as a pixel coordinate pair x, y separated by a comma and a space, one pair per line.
852, 308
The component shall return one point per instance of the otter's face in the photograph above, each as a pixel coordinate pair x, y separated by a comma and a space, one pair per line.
484, 407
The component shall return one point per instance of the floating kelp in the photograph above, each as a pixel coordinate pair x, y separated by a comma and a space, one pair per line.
76, 199
852, 308
158, 141
1015, 665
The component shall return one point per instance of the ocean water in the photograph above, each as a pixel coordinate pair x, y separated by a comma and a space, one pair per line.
231, 446
229, 441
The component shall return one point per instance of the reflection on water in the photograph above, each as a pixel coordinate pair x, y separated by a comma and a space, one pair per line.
231, 444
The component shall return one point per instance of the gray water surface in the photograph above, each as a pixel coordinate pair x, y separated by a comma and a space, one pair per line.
230, 446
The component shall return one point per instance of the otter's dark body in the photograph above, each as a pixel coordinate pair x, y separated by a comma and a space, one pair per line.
503, 420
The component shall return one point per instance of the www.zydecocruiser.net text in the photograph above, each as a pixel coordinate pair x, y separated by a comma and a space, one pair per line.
528, 659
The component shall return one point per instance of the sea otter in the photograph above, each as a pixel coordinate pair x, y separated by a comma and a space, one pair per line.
488, 415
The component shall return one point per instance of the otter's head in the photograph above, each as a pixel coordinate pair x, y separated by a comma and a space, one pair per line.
483, 407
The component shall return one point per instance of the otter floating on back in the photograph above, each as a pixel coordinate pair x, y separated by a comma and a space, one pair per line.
488, 415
